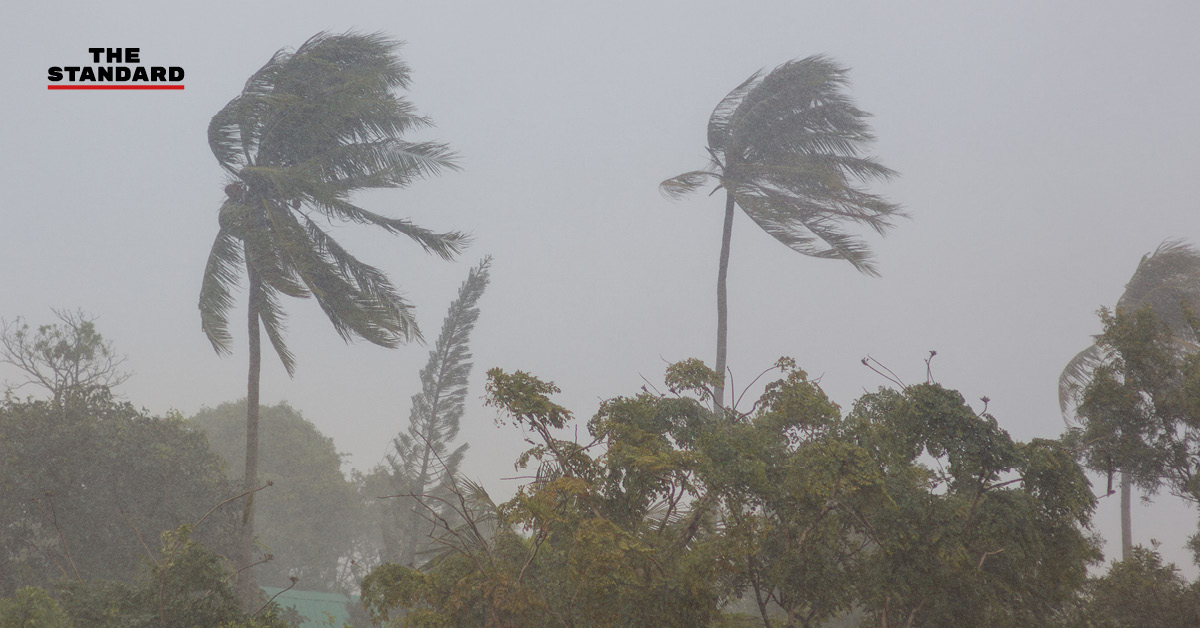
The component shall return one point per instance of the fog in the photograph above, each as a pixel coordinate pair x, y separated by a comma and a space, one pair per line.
1043, 148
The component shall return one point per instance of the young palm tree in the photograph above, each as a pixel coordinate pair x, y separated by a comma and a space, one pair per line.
310, 128
788, 148
1168, 282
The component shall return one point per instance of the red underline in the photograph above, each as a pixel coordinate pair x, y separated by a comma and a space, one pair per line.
114, 87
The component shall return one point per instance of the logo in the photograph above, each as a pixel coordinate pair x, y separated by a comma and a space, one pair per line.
130, 74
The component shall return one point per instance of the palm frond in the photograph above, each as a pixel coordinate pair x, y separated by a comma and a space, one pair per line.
271, 315
357, 298
803, 226
681, 185
225, 137
303, 185
266, 244
233, 133
661, 514
719, 121
799, 96
1168, 281
387, 311
1076, 375
221, 275
445, 245
387, 162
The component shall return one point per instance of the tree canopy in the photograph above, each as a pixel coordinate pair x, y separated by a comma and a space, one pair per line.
913, 509
308, 518
85, 487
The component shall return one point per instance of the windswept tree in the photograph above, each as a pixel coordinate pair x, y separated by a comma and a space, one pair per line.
310, 128
914, 510
789, 150
423, 468
1167, 281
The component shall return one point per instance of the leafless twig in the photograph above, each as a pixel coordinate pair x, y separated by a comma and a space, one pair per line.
264, 606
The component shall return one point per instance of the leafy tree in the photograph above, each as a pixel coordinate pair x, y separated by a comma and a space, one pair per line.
309, 516
976, 529
788, 150
185, 585
913, 509
668, 516
1138, 591
423, 465
1140, 411
84, 487
562, 552
69, 359
310, 128
1168, 282
32, 607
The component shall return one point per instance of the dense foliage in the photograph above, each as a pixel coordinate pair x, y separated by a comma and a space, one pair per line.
1166, 284
308, 516
84, 488
911, 510
184, 585
1138, 592
1140, 411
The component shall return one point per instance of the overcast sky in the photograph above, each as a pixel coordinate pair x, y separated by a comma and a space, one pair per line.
1043, 149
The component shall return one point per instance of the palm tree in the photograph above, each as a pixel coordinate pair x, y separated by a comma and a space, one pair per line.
310, 128
788, 148
1168, 282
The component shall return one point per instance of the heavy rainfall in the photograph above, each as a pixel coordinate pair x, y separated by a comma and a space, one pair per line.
782, 315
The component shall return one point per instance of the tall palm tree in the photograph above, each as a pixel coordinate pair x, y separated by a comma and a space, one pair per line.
788, 148
311, 127
1168, 282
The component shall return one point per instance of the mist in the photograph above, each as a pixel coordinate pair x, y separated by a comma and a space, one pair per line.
1042, 150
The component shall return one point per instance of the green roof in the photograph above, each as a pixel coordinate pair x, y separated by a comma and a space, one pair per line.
314, 606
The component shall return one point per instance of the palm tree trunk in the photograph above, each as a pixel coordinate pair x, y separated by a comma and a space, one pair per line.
247, 585
1126, 516
723, 303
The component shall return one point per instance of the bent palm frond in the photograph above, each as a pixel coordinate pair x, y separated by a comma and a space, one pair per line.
1076, 375
221, 276
1168, 281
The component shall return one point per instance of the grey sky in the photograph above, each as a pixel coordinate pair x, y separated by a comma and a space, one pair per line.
1043, 148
